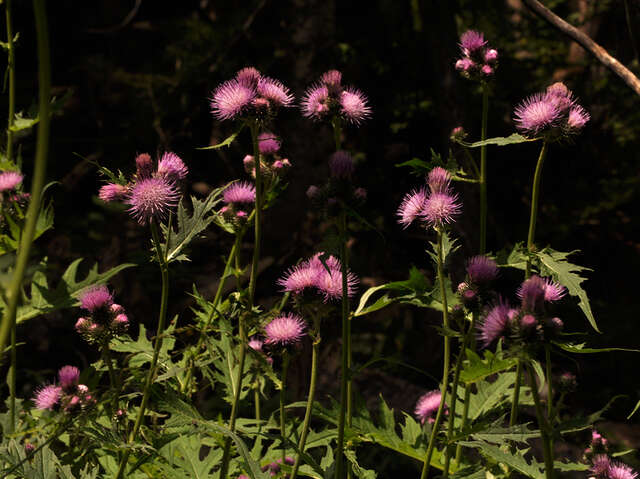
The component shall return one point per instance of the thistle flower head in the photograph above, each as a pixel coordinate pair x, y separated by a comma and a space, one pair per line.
332, 78
255, 344
481, 269
537, 113
440, 209
144, 166
354, 106
285, 330
96, 298
427, 406
48, 397
412, 206
617, 470
341, 165
151, 199
439, 180
240, 192
9, 180
248, 77
464, 64
68, 377
491, 55
315, 103
330, 283
172, 168
113, 192
600, 465
268, 143
300, 277
231, 99
531, 293
495, 324
471, 41
553, 291
578, 117
275, 92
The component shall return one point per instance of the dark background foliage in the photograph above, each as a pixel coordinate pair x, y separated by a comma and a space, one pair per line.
139, 80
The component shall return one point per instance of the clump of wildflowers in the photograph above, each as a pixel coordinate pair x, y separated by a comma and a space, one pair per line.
553, 114
328, 98
436, 207
239, 198
67, 396
152, 192
272, 164
9, 181
478, 60
249, 95
427, 406
104, 319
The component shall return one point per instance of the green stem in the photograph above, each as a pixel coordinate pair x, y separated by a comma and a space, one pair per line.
256, 401
516, 394
547, 450
345, 375
226, 456
445, 371
483, 170
39, 172
547, 353
12, 81
164, 269
312, 392
467, 389
214, 308
106, 357
535, 195
283, 431
454, 396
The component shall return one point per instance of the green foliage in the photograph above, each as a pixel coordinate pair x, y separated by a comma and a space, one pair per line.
512, 139
141, 350
227, 142
515, 460
477, 368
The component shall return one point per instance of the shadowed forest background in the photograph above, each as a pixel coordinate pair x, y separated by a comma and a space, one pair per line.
139, 81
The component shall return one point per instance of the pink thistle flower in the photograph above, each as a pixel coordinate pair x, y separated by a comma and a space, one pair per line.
48, 397
360, 194
144, 166
439, 180
68, 377
315, 102
96, 298
491, 55
300, 277
113, 192
341, 165
121, 320
231, 99
553, 291
471, 41
172, 168
240, 192
482, 269
427, 406
330, 283
354, 106
151, 199
274, 91
600, 465
495, 324
486, 70
9, 180
440, 209
559, 89
116, 309
248, 77
578, 117
255, 344
285, 330
313, 192
532, 293
528, 322
268, 143
332, 78
535, 114
412, 206
464, 64
617, 470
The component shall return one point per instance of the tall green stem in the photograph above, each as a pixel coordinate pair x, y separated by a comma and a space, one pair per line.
256, 402
12, 81
39, 172
483, 169
224, 469
312, 391
283, 393
516, 394
535, 195
445, 371
547, 353
467, 389
345, 376
164, 270
547, 450
214, 308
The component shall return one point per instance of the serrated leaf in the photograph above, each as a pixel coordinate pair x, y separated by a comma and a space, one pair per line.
230, 139
515, 461
577, 424
555, 263
581, 349
477, 368
512, 139
142, 348
356, 468
190, 224
516, 258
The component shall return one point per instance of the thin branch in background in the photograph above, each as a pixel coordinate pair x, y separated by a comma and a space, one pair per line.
587, 43
127, 20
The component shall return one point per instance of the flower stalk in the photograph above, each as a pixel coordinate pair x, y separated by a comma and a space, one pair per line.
283, 393
547, 450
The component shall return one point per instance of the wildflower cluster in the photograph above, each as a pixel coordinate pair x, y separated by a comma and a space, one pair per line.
553, 114
249, 95
328, 99
475, 291
150, 194
478, 60
529, 323
13, 202
434, 207
105, 319
285, 331
238, 197
67, 396
602, 465
272, 165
